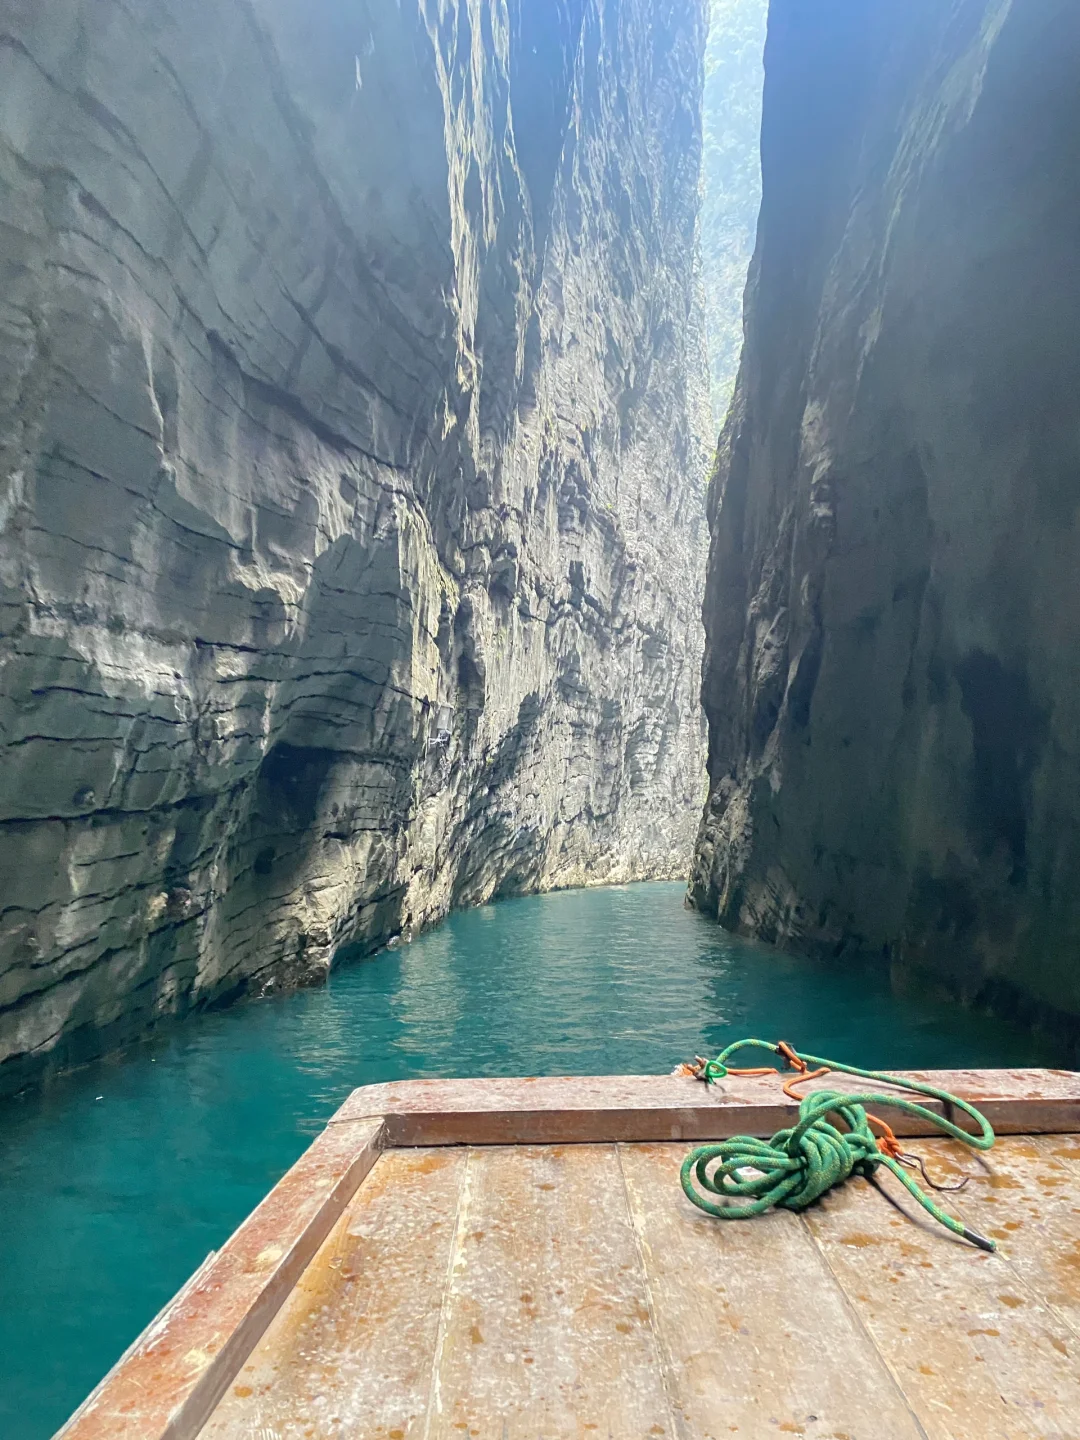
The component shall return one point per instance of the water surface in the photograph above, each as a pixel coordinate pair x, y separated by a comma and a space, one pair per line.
116, 1181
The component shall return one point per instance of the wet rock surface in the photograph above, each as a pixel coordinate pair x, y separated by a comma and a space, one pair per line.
892, 610
351, 527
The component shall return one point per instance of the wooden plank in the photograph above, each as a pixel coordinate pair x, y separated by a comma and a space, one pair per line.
546, 1328
977, 1357
758, 1337
648, 1108
171, 1380
352, 1350
1027, 1198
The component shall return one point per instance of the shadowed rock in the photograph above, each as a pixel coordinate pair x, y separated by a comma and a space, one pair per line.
893, 620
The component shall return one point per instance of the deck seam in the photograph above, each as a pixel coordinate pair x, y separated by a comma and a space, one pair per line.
339, 1119
663, 1355
1074, 1170
1043, 1301
864, 1328
456, 1247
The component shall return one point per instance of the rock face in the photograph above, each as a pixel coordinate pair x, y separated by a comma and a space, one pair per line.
351, 524
892, 608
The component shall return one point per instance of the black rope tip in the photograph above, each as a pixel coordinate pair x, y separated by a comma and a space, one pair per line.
979, 1240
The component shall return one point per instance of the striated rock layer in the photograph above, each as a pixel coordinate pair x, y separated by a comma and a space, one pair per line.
893, 615
351, 519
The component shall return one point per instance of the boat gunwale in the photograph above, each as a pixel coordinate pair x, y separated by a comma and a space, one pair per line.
595, 1109
166, 1386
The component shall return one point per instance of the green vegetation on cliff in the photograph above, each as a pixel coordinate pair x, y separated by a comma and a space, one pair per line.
731, 180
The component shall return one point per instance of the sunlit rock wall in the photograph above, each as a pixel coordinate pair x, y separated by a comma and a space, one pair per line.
893, 611
351, 516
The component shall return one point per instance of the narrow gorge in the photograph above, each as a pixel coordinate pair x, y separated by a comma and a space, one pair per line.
892, 613
353, 444
450, 803
354, 435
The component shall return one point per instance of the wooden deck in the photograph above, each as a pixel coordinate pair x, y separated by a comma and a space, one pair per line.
457, 1259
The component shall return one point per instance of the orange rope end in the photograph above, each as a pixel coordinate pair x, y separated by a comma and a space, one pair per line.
789, 1055
887, 1142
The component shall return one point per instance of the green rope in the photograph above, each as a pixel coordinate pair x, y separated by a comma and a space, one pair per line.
800, 1164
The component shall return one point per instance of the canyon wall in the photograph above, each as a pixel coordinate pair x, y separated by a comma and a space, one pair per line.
892, 675
352, 532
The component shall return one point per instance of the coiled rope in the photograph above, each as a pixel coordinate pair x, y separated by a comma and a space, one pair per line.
798, 1165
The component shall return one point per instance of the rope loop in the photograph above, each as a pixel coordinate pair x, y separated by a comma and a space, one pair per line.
748, 1176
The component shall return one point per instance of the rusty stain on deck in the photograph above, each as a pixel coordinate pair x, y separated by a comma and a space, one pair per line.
572, 1291
556, 1289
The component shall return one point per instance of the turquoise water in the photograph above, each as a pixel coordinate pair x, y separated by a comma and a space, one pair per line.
116, 1181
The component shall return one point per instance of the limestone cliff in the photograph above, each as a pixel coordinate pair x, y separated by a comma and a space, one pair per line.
892, 609
351, 527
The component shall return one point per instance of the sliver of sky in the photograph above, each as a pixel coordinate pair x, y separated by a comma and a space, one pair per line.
731, 181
